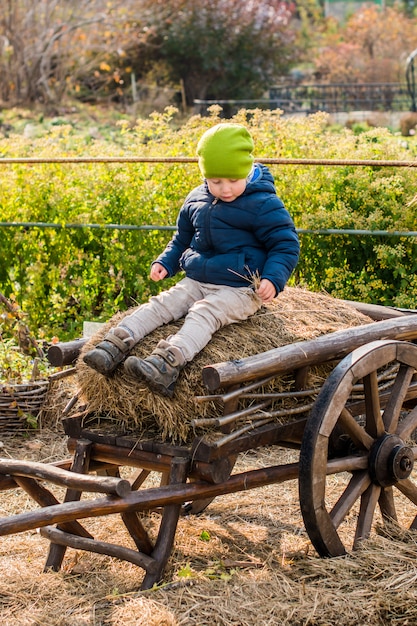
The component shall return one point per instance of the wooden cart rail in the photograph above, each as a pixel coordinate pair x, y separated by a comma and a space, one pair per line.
359, 431
298, 355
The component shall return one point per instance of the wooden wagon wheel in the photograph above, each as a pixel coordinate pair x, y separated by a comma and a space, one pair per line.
357, 454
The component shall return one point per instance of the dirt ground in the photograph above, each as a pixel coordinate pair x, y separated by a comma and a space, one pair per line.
245, 561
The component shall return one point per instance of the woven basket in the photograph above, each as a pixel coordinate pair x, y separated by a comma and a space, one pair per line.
19, 401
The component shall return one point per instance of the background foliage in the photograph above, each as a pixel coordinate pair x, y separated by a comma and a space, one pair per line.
141, 51
372, 46
61, 276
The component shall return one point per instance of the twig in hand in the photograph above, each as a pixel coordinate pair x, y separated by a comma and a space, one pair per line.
253, 278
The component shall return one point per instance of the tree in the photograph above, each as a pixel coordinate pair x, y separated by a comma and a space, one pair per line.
371, 47
215, 48
41, 45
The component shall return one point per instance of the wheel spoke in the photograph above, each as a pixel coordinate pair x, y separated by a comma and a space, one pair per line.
350, 463
374, 424
387, 505
369, 500
359, 436
355, 488
408, 488
407, 425
398, 393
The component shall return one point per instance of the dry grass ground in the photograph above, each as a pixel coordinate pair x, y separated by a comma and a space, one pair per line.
245, 561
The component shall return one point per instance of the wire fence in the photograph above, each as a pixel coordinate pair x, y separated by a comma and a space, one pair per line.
175, 160
151, 227
265, 160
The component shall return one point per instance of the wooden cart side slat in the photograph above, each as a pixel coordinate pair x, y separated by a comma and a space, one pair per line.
269, 434
314, 351
378, 312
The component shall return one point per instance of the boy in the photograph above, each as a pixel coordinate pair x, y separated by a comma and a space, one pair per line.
229, 229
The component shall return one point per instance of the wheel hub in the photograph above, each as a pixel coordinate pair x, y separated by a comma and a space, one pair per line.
390, 460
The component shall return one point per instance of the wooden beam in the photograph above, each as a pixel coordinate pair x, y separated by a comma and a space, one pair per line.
65, 353
290, 357
376, 312
64, 478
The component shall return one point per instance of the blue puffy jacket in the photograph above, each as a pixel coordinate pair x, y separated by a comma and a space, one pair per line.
224, 243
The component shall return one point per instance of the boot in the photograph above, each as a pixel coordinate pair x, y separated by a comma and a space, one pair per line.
107, 354
160, 369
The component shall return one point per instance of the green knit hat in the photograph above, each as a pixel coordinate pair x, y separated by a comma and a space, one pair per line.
225, 151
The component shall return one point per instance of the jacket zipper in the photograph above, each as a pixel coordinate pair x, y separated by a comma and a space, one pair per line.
207, 223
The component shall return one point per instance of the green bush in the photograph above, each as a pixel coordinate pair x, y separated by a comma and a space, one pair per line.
61, 276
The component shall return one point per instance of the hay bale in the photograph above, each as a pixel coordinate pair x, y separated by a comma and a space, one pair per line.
296, 315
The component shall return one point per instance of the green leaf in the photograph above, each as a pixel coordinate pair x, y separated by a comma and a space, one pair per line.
205, 535
185, 572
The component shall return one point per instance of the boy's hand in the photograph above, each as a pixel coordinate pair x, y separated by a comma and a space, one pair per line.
158, 272
266, 290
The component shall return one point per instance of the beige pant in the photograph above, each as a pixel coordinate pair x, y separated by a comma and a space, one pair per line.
206, 308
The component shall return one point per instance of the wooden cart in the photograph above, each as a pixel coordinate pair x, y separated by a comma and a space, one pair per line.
359, 430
